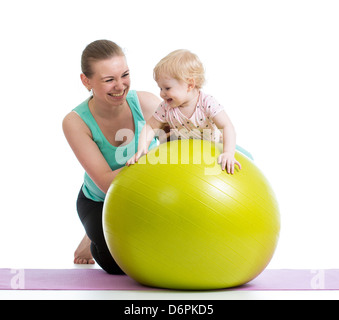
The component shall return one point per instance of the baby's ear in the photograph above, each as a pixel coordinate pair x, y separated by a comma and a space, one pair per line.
191, 84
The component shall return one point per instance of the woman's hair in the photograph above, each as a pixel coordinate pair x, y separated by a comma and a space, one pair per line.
96, 51
181, 65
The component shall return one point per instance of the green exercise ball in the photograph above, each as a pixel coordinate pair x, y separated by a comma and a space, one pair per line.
176, 220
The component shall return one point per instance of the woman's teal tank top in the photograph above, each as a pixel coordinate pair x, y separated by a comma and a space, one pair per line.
116, 157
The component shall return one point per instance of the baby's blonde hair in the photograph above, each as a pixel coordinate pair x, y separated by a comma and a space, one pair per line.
181, 65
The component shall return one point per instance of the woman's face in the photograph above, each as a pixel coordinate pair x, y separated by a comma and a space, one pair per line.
110, 81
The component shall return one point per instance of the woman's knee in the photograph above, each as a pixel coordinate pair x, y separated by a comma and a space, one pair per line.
104, 259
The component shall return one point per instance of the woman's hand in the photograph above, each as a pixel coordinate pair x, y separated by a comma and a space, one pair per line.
228, 162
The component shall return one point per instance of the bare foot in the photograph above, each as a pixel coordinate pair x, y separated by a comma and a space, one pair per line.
83, 254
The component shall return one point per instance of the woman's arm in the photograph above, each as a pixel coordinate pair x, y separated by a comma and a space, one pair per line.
87, 152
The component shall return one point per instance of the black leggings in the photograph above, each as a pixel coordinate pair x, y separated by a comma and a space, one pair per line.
90, 214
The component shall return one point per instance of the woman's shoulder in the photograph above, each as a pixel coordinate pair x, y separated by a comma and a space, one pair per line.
82, 109
72, 123
148, 103
147, 98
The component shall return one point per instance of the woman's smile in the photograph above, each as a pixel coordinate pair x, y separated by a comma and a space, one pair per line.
118, 95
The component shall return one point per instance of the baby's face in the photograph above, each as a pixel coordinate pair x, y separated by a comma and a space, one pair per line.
173, 91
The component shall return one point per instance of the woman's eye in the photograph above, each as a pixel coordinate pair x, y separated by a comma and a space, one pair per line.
125, 75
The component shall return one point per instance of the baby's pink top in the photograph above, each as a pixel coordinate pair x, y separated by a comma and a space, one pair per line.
199, 126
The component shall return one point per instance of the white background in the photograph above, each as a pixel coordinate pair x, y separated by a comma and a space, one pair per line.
273, 64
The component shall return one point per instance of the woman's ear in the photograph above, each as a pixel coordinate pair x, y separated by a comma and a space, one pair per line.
86, 82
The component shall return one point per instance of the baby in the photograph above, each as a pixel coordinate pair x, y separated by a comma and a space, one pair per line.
188, 111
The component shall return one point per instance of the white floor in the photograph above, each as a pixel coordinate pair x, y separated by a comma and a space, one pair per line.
136, 295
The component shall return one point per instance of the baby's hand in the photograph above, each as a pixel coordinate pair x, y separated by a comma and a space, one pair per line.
228, 161
132, 160
135, 158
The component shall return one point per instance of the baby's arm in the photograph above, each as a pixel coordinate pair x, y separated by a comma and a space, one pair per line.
146, 136
226, 159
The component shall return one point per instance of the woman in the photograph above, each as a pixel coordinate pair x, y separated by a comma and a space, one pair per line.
97, 131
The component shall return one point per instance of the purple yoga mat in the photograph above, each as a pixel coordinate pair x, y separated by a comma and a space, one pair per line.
96, 279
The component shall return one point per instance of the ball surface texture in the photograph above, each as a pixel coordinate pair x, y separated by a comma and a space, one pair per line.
176, 220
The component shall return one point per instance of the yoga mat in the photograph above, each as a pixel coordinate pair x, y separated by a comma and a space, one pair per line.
97, 279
